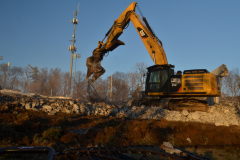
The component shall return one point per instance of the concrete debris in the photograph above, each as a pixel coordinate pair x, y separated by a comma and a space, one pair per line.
28, 106
35, 109
219, 114
47, 108
52, 112
195, 115
168, 147
185, 112
189, 140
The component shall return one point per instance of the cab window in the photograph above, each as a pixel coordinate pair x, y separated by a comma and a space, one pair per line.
154, 81
157, 80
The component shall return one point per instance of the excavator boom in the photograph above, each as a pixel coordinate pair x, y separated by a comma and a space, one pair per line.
151, 42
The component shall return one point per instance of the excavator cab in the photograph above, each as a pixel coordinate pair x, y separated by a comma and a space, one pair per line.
159, 78
162, 82
179, 91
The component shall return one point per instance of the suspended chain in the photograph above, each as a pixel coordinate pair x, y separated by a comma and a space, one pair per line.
91, 90
93, 96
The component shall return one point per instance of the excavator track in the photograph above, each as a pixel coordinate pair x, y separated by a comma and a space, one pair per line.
175, 104
191, 105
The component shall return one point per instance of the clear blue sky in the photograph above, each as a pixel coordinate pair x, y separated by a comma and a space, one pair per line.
195, 34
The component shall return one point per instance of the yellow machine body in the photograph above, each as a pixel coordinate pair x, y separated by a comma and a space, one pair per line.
195, 85
192, 83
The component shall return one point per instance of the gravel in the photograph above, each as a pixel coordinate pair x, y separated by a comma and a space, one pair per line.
218, 114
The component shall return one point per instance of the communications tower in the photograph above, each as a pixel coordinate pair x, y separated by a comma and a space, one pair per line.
73, 49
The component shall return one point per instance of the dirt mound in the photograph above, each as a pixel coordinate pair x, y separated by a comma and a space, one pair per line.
60, 131
112, 126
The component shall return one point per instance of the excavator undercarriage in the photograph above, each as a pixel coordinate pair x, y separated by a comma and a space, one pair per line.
176, 104
190, 104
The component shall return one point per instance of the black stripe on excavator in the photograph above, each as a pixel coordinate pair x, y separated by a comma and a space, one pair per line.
184, 92
142, 33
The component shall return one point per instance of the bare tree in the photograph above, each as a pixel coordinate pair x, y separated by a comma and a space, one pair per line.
14, 77
133, 81
40, 85
80, 86
64, 84
230, 84
238, 81
3, 73
43, 79
140, 69
120, 87
53, 83
25, 80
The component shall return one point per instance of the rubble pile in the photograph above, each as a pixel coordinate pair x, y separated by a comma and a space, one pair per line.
218, 114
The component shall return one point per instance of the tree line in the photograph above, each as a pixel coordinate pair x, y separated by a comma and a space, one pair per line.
230, 85
55, 82
124, 85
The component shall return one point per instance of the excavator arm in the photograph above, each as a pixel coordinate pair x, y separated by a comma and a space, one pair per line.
151, 42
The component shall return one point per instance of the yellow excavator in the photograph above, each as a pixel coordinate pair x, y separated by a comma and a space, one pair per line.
188, 90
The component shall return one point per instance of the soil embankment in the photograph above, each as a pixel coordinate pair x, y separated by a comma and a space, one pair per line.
27, 127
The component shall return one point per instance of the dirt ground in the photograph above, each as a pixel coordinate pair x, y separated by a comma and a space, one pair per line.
30, 128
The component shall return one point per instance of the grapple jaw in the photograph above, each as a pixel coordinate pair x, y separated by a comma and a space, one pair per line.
94, 62
95, 68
